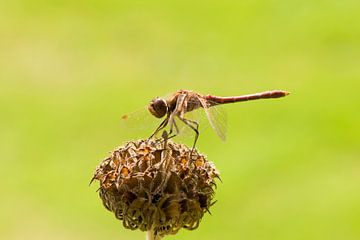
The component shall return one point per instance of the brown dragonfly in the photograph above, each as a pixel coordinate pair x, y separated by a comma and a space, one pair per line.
183, 101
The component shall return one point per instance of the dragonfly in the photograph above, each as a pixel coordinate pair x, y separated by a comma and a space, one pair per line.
175, 107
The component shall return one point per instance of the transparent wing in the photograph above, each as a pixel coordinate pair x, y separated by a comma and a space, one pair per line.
186, 134
142, 124
216, 116
139, 124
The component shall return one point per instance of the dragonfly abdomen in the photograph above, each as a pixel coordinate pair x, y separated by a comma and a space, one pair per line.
243, 98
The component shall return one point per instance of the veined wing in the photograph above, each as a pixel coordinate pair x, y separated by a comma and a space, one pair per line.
186, 134
216, 116
139, 124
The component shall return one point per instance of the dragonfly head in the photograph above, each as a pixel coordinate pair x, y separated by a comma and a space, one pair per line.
158, 107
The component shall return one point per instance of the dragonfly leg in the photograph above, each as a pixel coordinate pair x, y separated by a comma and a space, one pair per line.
178, 111
167, 135
173, 124
160, 127
195, 128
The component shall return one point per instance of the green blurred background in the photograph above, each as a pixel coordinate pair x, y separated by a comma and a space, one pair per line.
70, 69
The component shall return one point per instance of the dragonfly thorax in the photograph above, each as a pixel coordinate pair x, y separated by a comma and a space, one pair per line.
158, 107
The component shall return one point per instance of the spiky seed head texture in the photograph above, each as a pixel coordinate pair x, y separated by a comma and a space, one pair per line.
157, 186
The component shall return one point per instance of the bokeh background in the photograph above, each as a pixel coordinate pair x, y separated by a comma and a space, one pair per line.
70, 69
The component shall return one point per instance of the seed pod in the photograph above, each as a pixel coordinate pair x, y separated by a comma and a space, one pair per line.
155, 186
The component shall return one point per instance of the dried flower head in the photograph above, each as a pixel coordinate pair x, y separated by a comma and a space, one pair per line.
155, 186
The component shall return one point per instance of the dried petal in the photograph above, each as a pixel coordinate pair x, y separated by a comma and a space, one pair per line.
150, 186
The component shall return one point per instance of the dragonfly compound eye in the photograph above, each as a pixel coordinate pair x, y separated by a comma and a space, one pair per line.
158, 107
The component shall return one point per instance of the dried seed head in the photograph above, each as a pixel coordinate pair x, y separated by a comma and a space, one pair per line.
154, 187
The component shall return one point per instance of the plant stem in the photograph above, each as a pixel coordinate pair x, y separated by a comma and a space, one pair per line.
150, 235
